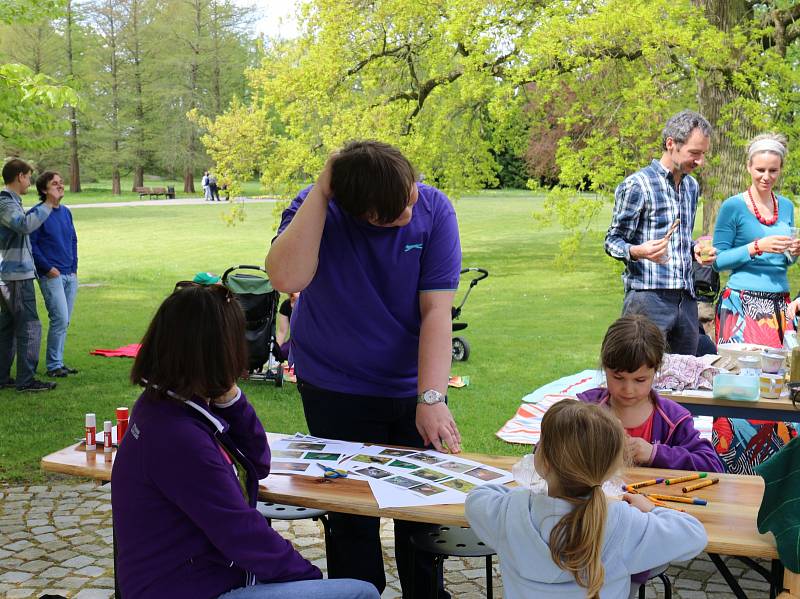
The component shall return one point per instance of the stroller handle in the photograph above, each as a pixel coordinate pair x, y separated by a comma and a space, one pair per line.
241, 267
483, 273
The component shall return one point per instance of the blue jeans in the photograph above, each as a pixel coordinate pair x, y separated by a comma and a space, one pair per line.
340, 588
19, 324
673, 310
59, 298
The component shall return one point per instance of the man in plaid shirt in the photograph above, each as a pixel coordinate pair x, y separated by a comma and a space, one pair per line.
651, 232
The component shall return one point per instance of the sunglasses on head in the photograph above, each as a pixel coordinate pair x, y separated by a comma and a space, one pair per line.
216, 288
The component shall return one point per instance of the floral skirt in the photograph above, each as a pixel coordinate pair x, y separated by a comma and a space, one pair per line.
759, 318
752, 317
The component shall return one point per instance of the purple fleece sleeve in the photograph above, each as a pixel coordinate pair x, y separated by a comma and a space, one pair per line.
687, 451
201, 483
247, 433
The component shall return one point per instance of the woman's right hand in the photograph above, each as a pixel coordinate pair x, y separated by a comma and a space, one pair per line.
792, 308
774, 244
640, 502
323, 182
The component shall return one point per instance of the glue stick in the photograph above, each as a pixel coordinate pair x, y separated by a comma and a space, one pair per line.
122, 423
107, 437
91, 429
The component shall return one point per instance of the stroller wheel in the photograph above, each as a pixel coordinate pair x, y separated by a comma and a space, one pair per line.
279, 376
460, 349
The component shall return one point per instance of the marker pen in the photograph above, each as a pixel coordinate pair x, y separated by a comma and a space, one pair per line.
91, 429
122, 423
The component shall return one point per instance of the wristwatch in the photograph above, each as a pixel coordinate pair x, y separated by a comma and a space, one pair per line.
430, 397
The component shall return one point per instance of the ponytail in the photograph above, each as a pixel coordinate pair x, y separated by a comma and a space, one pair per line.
576, 542
582, 445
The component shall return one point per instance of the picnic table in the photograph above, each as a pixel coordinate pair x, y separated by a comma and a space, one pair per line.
729, 518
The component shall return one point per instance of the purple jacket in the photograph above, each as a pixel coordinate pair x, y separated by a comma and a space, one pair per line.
184, 528
677, 442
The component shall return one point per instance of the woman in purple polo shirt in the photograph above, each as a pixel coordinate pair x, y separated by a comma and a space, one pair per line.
185, 479
377, 257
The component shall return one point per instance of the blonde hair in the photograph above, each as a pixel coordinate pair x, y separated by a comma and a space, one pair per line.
774, 143
582, 445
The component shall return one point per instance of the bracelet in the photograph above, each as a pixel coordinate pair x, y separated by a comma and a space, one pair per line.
755, 246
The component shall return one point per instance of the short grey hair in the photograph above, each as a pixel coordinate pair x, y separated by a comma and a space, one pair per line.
680, 126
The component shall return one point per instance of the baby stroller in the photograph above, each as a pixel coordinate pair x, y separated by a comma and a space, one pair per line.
259, 302
460, 345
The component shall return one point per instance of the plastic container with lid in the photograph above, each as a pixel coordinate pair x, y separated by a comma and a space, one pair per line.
739, 387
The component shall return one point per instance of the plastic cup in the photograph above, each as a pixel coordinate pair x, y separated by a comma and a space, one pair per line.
705, 244
770, 385
772, 362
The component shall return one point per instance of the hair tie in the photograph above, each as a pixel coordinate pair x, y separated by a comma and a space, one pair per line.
766, 145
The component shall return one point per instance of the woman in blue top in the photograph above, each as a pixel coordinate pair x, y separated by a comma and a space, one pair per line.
753, 240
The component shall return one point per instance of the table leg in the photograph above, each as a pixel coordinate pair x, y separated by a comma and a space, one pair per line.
726, 574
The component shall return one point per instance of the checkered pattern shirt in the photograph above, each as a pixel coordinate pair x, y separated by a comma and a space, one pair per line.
645, 205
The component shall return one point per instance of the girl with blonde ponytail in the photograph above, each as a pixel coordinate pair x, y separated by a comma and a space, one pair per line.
574, 543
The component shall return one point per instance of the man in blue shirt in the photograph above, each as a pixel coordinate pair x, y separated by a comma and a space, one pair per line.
651, 232
55, 254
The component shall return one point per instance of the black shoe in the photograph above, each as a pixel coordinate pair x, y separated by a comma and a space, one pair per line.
57, 372
69, 370
9, 383
35, 385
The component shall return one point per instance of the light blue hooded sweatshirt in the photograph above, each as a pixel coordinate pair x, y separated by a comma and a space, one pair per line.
517, 524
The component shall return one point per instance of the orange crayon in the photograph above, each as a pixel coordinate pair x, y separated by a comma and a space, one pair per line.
661, 504
700, 485
685, 479
678, 499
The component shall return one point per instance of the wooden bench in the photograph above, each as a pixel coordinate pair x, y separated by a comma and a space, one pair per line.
155, 192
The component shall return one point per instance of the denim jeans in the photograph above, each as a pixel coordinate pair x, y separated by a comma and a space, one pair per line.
674, 311
340, 588
19, 324
59, 298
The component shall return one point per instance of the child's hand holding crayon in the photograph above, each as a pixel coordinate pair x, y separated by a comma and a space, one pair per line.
637, 450
640, 502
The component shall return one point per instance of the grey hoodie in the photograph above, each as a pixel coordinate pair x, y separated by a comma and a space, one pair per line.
517, 524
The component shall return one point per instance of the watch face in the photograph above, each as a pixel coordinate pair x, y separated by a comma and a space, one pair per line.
431, 396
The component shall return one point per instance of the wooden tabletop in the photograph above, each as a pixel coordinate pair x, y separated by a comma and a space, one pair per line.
765, 409
729, 517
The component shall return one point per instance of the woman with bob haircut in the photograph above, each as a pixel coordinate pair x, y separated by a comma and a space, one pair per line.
185, 478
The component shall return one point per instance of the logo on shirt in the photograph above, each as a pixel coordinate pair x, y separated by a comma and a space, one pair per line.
412, 246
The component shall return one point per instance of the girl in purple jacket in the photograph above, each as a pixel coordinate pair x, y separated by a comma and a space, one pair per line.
185, 478
660, 432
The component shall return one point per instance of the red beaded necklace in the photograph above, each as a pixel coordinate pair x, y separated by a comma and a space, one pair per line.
761, 219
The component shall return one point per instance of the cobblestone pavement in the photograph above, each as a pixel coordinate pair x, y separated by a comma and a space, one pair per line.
56, 539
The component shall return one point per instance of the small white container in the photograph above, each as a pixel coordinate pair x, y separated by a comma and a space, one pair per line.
770, 385
772, 363
749, 365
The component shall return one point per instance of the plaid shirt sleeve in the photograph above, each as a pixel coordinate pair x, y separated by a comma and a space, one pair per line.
628, 204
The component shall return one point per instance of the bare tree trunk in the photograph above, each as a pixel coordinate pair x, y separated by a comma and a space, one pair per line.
194, 72
725, 174
139, 152
188, 180
216, 85
74, 162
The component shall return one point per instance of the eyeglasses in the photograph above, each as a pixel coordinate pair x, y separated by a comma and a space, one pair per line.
215, 287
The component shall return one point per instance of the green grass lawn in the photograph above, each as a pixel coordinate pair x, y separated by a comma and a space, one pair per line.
529, 323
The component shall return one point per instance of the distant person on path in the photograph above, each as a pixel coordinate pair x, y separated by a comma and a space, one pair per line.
185, 479
19, 321
55, 254
206, 188
651, 232
376, 258
213, 189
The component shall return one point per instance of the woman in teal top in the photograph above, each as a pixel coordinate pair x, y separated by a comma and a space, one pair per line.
753, 238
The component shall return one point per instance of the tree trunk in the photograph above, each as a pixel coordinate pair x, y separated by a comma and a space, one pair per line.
725, 173
74, 162
188, 180
116, 185
139, 152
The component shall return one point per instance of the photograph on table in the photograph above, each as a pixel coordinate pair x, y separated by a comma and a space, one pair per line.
428, 474
371, 459
325, 457
459, 467
402, 481
427, 490
404, 465
398, 453
483, 474
285, 453
425, 458
459, 485
289, 466
373, 472
306, 446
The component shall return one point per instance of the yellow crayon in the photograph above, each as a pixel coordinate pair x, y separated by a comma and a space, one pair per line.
684, 479
700, 485
644, 483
